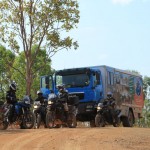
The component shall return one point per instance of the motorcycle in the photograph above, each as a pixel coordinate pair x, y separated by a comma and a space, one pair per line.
37, 108
22, 115
55, 117
104, 116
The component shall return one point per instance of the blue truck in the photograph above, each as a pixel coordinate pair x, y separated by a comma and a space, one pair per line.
91, 85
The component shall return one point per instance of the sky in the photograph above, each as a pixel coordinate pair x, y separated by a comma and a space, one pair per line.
115, 33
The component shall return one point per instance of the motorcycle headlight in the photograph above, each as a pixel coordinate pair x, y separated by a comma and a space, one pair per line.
98, 107
35, 106
50, 102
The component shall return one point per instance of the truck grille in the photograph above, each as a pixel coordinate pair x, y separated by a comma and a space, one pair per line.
80, 95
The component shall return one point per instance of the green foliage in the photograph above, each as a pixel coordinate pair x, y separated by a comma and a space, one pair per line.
145, 121
6, 61
36, 21
146, 83
134, 72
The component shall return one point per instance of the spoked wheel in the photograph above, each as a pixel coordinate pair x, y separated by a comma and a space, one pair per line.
28, 120
72, 122
117, 123
37, 122
3, 123
50, 118
99, 121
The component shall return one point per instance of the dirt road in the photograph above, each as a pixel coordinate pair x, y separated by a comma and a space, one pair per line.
108, 138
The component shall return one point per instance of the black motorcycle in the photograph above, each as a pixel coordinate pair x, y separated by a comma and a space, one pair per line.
104, 116
39, 111
22, 115
55, 117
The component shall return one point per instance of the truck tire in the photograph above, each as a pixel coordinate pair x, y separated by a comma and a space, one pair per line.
128, 121
99, 121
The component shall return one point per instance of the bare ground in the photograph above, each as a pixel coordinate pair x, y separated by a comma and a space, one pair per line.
80, 138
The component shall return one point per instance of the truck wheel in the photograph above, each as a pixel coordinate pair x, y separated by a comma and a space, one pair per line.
99, 121
128, 121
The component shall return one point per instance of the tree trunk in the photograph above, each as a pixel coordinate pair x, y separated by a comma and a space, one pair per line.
29, 79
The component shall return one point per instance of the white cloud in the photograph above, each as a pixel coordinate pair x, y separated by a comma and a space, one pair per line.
122, 2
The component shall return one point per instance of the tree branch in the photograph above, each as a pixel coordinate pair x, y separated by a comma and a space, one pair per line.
10, 64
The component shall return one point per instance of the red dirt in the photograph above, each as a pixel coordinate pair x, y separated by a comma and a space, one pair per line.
107, 138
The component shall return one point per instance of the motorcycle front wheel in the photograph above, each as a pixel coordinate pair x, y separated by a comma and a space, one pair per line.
72, 122
50, 118
28, 120
37, 122
99, 121
117, 123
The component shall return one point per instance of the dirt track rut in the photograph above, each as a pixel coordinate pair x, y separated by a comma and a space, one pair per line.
108, 138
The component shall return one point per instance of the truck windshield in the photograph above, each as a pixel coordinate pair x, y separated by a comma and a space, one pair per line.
75, 80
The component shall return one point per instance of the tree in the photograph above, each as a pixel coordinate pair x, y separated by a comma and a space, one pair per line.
25, 23
41, 67
145, 121
134, 72
146, 83
6, 56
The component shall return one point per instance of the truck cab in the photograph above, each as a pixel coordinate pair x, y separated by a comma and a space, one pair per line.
86, 83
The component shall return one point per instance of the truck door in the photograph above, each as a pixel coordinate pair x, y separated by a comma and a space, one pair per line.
97, 86
46, 85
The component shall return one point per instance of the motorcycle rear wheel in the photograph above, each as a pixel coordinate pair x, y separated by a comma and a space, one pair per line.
3, 123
